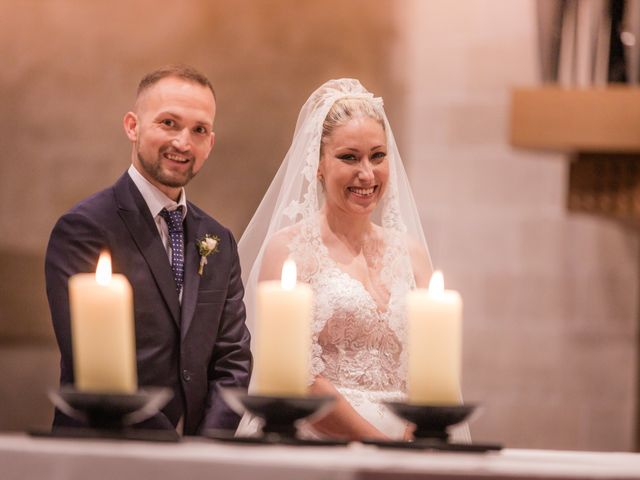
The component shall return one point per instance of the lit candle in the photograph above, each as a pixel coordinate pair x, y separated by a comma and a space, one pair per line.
435, 344
102, 330
283, 336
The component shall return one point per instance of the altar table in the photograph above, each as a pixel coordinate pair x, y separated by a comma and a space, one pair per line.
23, 457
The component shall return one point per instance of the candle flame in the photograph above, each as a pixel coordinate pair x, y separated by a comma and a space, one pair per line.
289, 274
103, 270
436, 284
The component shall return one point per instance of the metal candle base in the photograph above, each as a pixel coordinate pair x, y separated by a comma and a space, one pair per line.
107, 411
431, 421
279, 414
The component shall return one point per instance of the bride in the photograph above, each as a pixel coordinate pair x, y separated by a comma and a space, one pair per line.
341, 206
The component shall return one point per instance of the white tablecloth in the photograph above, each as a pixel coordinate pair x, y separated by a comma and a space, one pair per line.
23, 457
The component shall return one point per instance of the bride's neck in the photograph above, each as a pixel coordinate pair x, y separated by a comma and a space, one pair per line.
350, 229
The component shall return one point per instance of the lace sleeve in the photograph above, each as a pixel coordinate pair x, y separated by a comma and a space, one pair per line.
322, 310
316, 364
303, 248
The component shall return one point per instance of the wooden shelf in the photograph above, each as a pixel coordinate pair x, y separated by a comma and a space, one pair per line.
576, 120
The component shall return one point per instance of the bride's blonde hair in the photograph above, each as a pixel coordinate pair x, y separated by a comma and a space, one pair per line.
344, 110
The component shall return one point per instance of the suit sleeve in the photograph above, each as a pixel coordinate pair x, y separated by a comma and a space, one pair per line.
231, 361
74, 247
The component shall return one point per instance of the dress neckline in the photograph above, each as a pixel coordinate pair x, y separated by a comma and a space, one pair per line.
380, 309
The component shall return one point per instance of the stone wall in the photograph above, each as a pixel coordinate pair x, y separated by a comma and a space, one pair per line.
551, 297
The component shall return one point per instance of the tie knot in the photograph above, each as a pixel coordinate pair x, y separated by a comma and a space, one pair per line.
173, 218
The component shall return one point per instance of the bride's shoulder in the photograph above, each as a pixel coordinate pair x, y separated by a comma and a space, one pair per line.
277, 251
282, 238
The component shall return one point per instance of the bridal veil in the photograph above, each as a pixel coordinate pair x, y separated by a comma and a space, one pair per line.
294, 194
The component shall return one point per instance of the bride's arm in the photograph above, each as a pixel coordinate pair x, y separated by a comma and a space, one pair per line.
342, 421
420, 263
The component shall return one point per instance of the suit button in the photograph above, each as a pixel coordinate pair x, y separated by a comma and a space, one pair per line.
186, 375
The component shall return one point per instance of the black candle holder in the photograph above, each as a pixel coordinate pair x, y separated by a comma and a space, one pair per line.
431, 421
279, 415
109, 415
110, 410
432, 427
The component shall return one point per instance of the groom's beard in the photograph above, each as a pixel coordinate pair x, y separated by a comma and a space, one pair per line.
163, 175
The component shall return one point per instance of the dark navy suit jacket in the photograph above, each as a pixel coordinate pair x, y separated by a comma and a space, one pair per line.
193, 348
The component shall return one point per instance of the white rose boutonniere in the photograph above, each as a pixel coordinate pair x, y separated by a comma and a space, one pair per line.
206, 246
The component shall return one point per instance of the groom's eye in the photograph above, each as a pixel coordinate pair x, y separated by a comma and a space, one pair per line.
167, 122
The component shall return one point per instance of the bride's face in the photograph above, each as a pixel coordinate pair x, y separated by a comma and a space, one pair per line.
354, 167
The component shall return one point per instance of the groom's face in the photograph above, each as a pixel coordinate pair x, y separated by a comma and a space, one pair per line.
172, 132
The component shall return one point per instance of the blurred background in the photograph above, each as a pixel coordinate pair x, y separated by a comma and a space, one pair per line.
550, 290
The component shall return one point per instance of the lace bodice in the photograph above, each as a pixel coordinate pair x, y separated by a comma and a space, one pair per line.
357, 344
357, 347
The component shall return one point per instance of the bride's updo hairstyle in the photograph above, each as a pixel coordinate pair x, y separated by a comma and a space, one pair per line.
344, 110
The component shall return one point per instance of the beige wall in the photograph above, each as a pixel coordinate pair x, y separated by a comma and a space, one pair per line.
550, 298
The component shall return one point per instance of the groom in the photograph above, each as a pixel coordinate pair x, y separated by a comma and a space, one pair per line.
190, 325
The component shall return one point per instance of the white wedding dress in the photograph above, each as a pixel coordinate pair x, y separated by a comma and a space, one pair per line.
358, 345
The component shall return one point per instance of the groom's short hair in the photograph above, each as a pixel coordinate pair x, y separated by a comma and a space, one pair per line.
185, 72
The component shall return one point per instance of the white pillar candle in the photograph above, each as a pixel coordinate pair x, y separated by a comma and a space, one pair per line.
102, 330
435, 344
283, 336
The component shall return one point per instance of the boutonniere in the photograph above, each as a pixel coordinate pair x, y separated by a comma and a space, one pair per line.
206, 246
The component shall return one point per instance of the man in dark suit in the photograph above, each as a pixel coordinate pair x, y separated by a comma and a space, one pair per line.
190, 325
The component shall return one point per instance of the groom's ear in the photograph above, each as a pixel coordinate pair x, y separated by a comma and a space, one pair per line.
130, 123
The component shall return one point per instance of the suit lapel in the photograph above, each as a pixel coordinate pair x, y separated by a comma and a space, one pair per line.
193, 223
134, 212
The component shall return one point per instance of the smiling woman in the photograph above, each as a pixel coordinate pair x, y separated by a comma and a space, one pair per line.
341, 207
